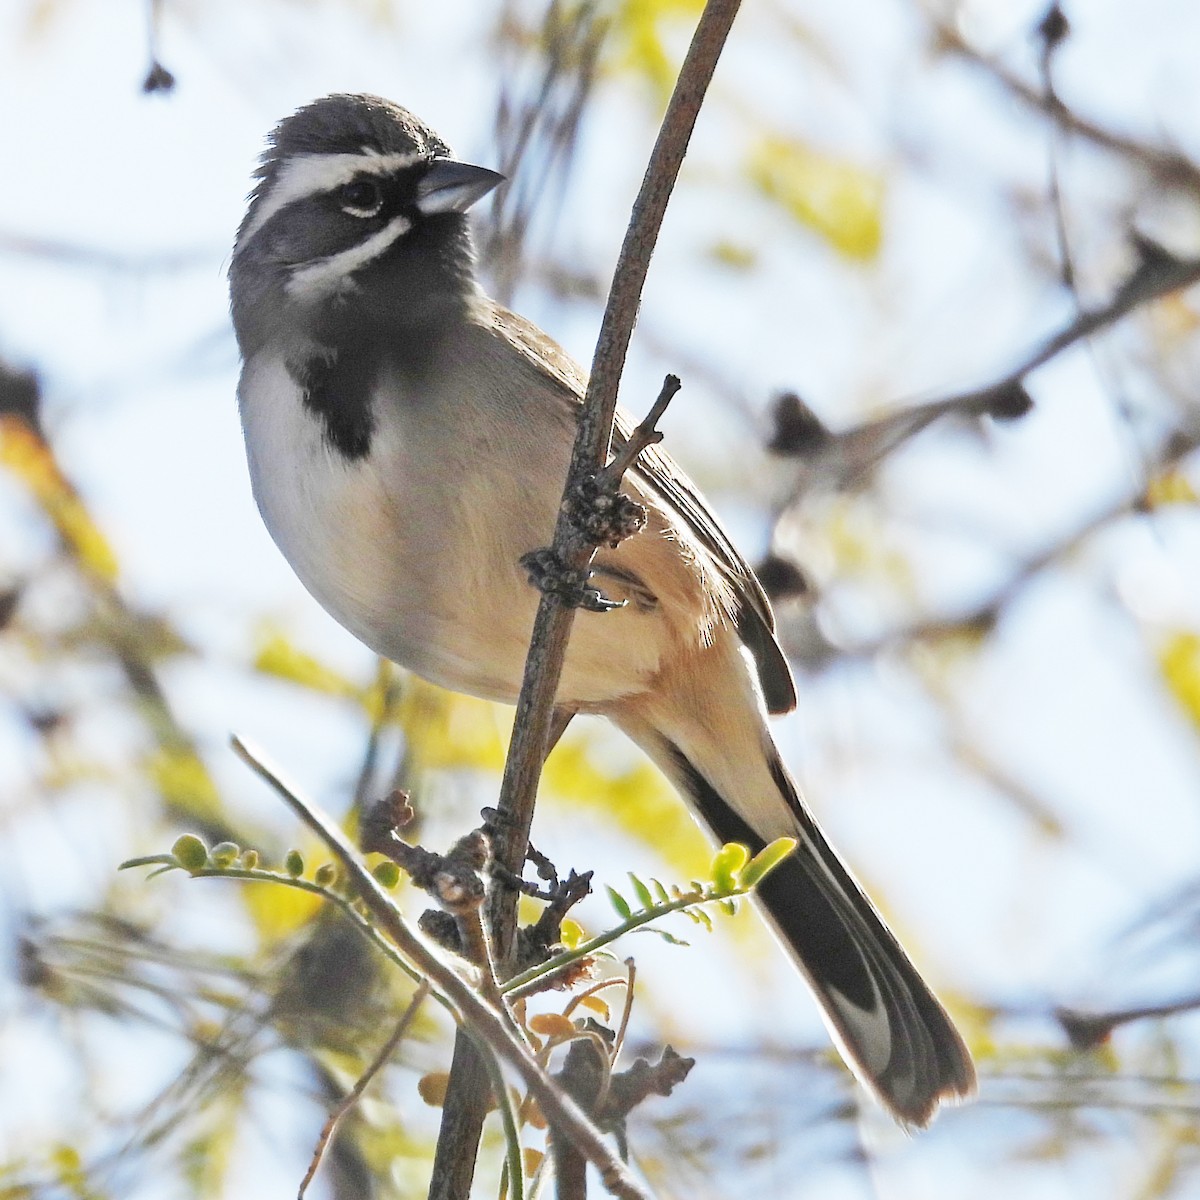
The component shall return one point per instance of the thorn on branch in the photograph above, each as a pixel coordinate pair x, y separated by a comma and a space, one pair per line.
546, 870
537, 942
798, 430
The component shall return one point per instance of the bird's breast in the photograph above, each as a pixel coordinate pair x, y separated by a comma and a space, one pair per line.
415, 546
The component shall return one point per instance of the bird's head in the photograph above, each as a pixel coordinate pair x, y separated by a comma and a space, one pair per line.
357, 216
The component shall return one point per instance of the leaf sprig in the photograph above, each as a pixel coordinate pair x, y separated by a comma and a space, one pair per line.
733, 874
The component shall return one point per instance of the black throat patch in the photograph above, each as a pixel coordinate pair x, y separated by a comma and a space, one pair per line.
336, 385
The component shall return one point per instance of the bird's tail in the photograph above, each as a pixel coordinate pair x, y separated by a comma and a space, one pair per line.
891, 1028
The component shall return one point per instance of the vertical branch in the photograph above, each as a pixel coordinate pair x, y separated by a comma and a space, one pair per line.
464, 1110
552, 626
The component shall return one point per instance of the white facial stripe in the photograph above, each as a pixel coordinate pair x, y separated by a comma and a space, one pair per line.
316, 280
311, 174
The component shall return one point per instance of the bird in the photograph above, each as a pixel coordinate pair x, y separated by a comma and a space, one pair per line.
408, 441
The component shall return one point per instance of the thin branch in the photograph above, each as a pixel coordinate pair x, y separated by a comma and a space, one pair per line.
646, 434
390, 694
1086, 1031
842, 459
464, 1112
986, 610
362, 1083
487, 1026
553, 624
513, 1164
1166, 166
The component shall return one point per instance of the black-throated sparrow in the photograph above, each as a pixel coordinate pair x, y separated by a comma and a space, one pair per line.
408, 442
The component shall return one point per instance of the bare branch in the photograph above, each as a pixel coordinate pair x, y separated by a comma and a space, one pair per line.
553, 625
646, 434
487, 1026
362, 1083
1168, 167
535, 705
985, 611
839, 460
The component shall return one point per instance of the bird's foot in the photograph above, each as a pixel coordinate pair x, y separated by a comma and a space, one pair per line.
551, 576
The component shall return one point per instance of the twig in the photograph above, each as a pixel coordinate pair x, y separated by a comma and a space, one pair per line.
841, 459
352, 1097
1168, 167
1051, 31
513, 1166
646, 434
487, 1026
985, 611
553, 624
1086, 1031
454, 1160
454, 880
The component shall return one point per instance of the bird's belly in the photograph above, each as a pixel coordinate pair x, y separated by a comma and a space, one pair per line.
418, 556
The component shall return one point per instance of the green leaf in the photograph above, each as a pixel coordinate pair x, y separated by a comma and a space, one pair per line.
766, 860
191, 852
293, 863
619, 903
387, 874
660, 891
645, 899
662, 933
225, 854
727, 866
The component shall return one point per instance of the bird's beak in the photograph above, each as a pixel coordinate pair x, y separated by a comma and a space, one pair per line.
451, 186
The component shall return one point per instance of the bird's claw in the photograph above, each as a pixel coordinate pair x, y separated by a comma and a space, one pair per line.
569, 586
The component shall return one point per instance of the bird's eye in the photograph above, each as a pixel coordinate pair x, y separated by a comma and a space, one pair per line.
360, 198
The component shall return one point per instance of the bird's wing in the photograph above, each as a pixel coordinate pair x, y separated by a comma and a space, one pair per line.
660, 474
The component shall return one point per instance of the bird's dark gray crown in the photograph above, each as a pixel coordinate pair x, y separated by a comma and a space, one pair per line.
345, 123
